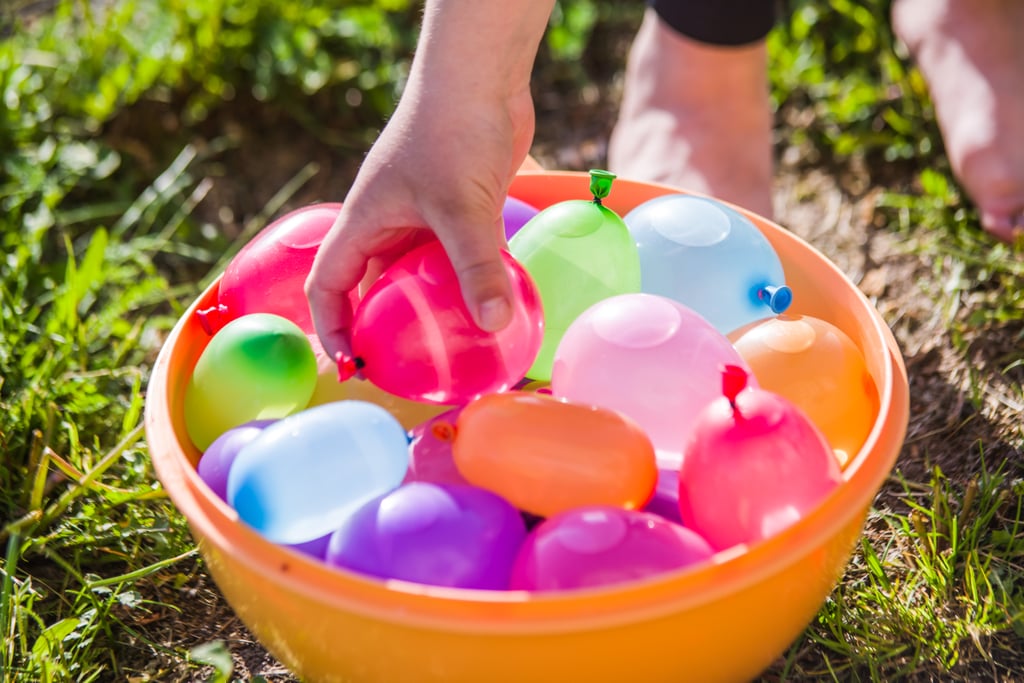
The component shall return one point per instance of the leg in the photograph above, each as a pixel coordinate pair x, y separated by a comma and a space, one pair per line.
971, 53
697, 115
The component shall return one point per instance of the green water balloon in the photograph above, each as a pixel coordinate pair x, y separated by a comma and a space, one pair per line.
258, 366
578, 252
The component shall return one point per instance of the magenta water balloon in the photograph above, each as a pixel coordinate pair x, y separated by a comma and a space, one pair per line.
754, 465
710, 257
589, 547
516, 213
435, 534
414, 337
302, 476
215, 463
647, 357
269, 273
430, 451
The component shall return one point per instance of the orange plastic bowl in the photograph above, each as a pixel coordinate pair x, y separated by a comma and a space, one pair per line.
726, 620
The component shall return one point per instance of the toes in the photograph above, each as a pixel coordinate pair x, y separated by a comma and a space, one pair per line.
1006, 226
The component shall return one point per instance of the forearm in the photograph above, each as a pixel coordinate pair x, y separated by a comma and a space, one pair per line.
480, 48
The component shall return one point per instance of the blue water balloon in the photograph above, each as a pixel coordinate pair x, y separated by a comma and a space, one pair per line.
708, 256
305, 474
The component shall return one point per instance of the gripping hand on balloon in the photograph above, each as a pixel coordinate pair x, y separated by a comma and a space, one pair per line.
442, 166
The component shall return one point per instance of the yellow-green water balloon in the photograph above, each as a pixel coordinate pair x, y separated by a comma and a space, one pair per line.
258, 366
578, 252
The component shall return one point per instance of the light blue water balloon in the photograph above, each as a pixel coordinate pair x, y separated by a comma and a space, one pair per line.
305, 474
710, 257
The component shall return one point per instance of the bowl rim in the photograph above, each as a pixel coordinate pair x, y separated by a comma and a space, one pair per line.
217, 527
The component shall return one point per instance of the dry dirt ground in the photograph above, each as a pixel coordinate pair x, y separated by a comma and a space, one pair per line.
832, 208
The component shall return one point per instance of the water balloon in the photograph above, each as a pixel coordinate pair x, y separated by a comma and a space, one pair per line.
545, 456
305, 474
516, 213
754, 465
596, 546
665, 500
430, 451
258, 366
710, 257
435, 534
648, 357
819, 368
216, 460
578, 253
317, 548
269, 273
414, 337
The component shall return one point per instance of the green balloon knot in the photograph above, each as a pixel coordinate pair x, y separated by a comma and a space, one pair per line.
600, 184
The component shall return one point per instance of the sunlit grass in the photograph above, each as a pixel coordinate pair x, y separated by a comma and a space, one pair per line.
931, 585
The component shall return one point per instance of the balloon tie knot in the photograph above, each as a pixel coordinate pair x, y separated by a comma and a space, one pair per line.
348, 366
443, 431
212, 319
600, 184
734, 380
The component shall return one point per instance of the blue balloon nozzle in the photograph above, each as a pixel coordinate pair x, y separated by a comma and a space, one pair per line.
777, 297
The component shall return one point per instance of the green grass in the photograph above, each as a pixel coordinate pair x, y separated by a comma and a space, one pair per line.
102, 253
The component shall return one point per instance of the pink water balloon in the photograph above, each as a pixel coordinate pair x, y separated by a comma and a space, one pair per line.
413, 335
268, 274
430, 451
596, 546
647, 357
754, 465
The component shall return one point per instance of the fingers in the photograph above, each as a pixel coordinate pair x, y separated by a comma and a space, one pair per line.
475, 253
1008, 227
337, 269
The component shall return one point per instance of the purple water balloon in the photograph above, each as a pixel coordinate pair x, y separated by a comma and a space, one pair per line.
317, 548
665, 501
437, 534
216, 460
516, 213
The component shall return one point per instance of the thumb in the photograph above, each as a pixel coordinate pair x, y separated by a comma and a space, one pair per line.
475, 255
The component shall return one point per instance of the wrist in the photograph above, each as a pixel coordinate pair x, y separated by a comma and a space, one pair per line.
476, 49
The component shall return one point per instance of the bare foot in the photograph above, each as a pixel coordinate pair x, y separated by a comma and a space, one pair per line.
697, 117
971, 52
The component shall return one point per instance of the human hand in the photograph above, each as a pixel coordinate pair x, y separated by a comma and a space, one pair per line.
440, 170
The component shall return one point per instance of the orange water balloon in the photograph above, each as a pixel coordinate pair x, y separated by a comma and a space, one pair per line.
545, 455
819, 368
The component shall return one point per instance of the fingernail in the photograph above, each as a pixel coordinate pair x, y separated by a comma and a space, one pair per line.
495, 314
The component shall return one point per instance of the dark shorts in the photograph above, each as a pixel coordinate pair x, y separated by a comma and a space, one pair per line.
718, 22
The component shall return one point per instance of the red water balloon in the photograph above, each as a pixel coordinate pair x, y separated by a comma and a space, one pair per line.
269, 273
754, 465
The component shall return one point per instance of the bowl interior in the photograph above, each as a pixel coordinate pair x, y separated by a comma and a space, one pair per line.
235, 551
